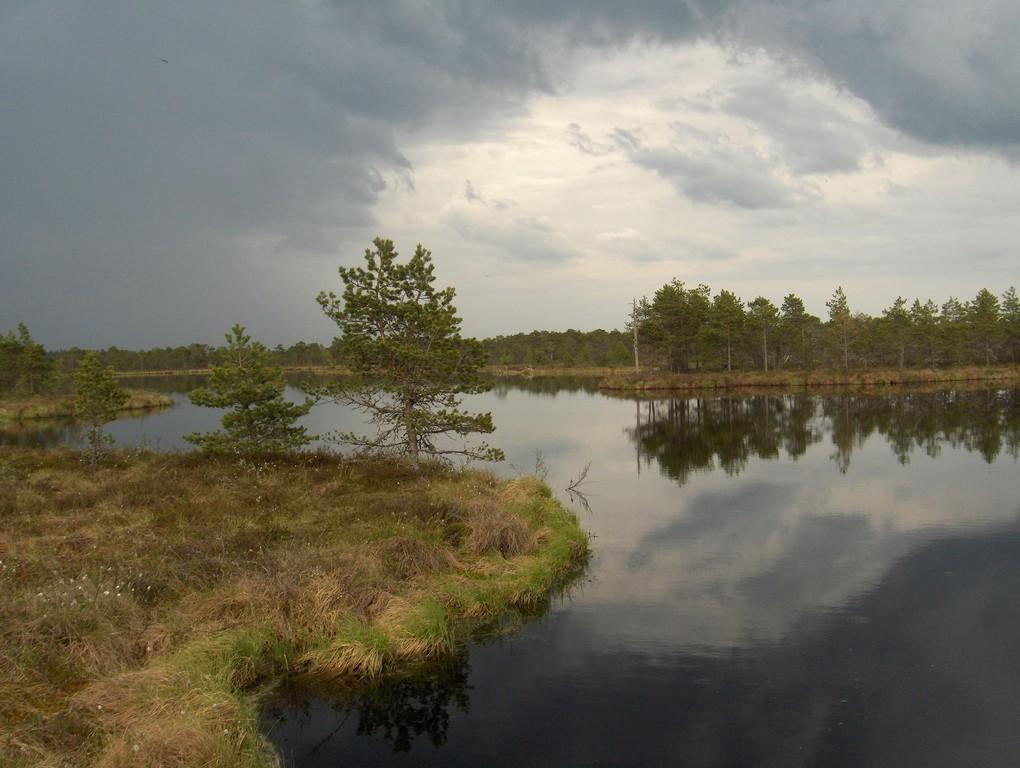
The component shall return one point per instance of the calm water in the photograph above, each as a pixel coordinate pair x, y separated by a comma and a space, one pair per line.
824, 581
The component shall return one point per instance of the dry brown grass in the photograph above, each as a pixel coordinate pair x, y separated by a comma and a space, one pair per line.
143, 602
496, 528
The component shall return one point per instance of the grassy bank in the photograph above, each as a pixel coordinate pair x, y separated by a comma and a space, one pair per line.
651, 381
145, 606
15, 409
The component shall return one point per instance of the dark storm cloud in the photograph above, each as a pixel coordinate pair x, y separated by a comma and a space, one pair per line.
136, 187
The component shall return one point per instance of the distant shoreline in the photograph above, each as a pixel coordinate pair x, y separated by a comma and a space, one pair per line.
879, 377
17, 409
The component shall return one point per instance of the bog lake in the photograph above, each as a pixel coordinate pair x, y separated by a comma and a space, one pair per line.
800, 579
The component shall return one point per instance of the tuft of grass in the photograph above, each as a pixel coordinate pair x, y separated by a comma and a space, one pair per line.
496, 528
147, 604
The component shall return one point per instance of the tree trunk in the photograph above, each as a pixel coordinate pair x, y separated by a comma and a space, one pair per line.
765, 348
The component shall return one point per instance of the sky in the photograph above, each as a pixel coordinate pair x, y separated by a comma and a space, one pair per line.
170, 169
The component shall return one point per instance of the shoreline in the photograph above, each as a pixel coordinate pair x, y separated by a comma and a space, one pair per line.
875, 379
15, 410
154, 601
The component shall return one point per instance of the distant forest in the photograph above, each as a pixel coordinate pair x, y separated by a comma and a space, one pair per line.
680, 328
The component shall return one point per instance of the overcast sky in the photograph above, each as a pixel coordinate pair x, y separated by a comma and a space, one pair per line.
168, 169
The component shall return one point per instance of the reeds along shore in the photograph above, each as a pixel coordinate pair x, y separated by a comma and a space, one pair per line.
15, 409
147, 604
632, 381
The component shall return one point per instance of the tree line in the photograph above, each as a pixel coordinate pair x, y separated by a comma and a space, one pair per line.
196, 356
679, 329
684, 328
561, 349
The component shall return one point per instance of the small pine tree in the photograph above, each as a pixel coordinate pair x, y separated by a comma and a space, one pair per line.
98, 397
401, 337
258, 419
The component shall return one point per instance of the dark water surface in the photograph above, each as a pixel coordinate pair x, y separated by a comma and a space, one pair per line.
777, 580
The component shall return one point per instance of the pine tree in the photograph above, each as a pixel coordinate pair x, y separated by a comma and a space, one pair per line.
897, 320
726, 320
259, 419
1010, 319
841, 321
983, 323
401, 337
98, 397
35, 368
763, 315
793, 329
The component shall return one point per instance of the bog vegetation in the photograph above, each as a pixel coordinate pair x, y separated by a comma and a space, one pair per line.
145, 602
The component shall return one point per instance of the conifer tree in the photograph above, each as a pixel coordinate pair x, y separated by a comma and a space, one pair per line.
841, 321
897, 320
402, 339
726, 320
258, 418
35, 368
763, 315
98, 397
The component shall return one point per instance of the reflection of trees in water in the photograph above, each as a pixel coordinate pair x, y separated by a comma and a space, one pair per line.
689, 435
396, 712
40, 433
544, 385
401, 711
168, 385
685, 436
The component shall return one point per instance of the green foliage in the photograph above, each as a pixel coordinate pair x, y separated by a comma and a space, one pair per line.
726, 321
402, 339
677, 318
982, 317
897, 325
562, 349
97, 400
1010, 318
763, 316
25, 366
841, 322
259, 419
